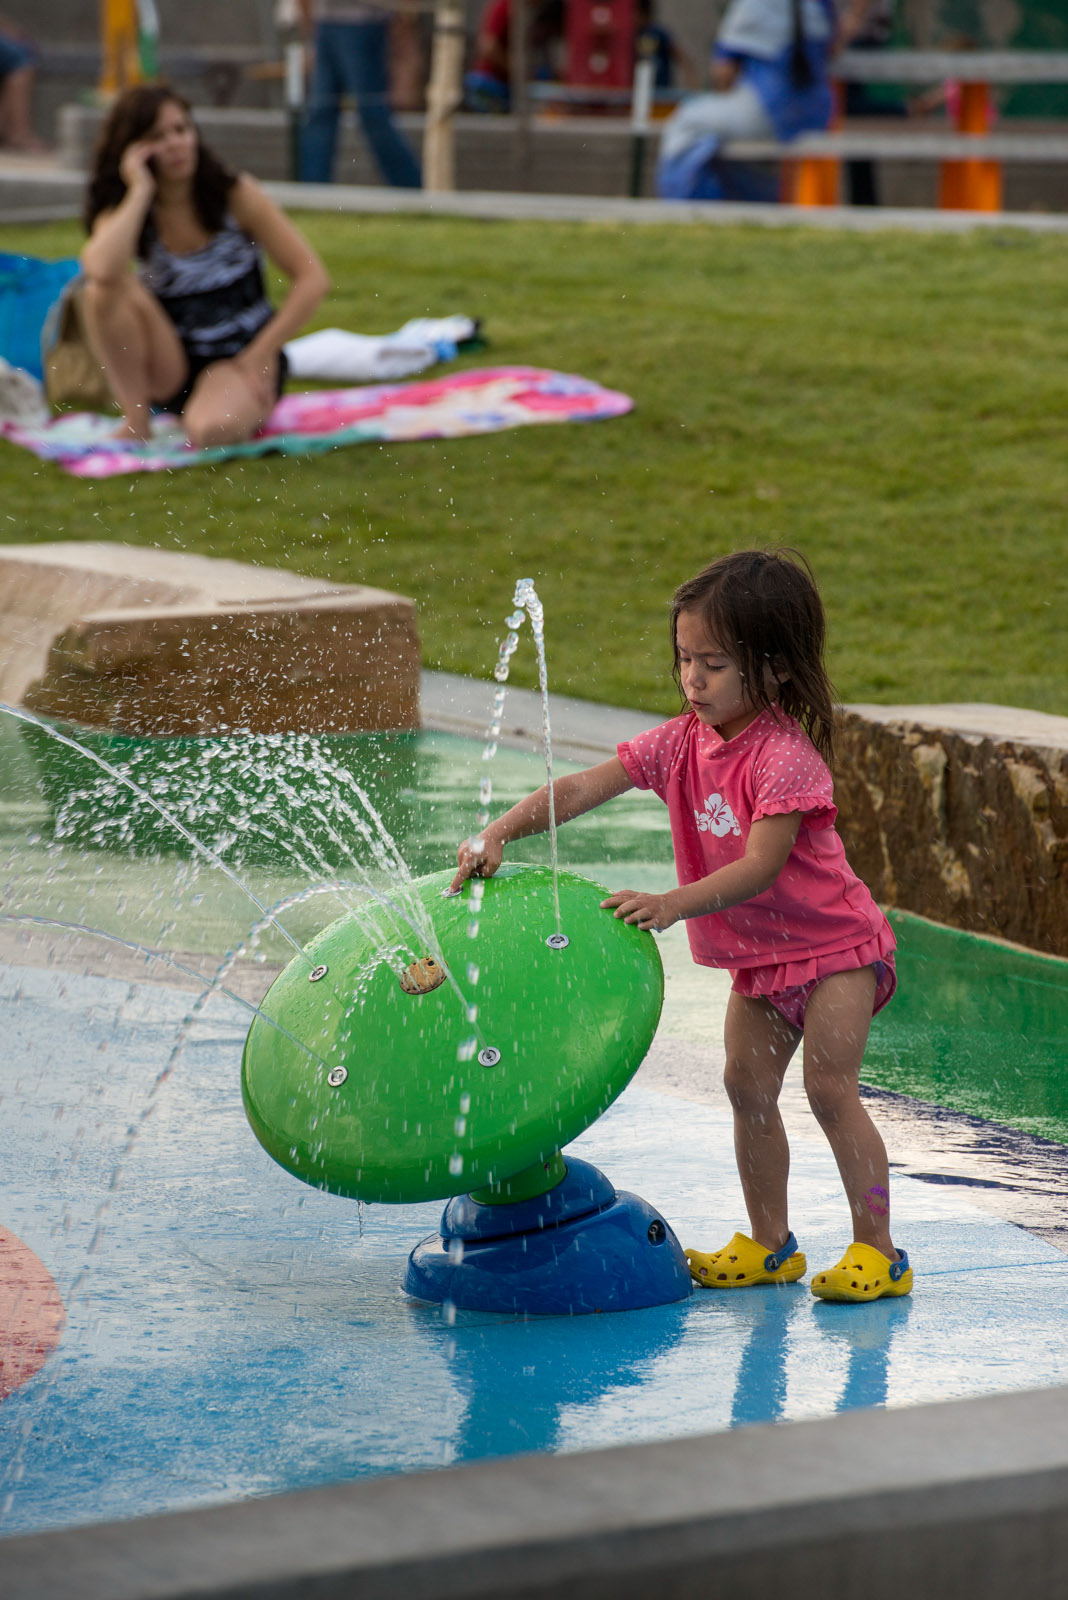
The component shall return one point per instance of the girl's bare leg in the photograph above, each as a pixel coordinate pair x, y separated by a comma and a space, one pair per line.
137, 347
837, 1020
229, 402
759, 1044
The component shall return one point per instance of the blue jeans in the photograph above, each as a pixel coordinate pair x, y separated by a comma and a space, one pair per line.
353, 58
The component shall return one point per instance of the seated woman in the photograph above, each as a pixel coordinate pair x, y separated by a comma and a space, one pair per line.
193, 331
770, 69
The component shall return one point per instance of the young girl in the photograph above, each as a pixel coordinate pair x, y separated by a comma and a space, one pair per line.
766, 891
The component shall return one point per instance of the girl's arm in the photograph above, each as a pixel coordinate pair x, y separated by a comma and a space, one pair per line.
577, 793
113, 241
262, 220
767, 848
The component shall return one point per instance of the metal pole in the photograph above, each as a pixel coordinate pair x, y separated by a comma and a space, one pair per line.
294, 63
640, 107
517, 61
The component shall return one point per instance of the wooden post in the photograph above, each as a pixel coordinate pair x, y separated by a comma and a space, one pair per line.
444, 96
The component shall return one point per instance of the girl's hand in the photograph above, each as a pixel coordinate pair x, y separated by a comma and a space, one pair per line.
479, 857
652, 912
134, 168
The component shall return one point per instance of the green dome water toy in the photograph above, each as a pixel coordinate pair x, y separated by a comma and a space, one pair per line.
462, 1074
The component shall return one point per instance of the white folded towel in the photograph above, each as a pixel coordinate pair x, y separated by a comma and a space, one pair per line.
343, 357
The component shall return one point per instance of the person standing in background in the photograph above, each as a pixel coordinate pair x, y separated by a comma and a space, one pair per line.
351, 43
866, 25
18, 68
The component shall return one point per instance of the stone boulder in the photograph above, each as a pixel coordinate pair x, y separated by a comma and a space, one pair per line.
159, 643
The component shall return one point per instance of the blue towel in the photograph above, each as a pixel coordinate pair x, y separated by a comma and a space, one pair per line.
29, 288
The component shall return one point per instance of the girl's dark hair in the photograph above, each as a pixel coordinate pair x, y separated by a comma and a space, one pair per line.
130, 119
763, 609
800, 66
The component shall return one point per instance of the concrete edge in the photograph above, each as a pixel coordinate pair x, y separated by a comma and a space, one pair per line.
487, 205
960, 1499
582, 730
587, 731
491, 206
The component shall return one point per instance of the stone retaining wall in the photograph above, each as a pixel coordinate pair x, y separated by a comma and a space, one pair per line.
960, 813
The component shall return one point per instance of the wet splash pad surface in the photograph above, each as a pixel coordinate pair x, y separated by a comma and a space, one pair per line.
236, 1334
231, 1332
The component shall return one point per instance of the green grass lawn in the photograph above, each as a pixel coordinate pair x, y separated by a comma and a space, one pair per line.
892, 405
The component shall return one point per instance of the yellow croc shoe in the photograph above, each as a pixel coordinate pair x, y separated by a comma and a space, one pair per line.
744, 1263
864, 1273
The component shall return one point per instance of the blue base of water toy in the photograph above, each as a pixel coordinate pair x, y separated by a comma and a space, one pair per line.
581, 1247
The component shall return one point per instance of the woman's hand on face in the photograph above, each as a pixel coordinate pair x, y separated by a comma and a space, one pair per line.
478, 857
651, 912
134, 168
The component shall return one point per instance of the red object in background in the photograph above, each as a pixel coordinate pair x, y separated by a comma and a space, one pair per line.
600, 43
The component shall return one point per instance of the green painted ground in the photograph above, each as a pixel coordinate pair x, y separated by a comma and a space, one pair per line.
893, 405
976, 1026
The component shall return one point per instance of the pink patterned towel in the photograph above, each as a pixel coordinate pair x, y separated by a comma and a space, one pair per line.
480, 401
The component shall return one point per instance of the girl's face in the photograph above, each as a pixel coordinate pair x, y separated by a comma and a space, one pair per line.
711, 681
175, 139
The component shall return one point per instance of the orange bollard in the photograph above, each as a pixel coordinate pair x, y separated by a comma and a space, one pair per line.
971, 185
815, 180
120, 59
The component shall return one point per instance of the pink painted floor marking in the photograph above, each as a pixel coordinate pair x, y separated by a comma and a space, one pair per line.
31, 1313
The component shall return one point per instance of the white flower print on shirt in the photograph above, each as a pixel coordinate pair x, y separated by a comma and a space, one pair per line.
717, 817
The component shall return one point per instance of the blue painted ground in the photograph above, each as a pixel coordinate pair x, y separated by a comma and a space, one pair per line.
232, 1333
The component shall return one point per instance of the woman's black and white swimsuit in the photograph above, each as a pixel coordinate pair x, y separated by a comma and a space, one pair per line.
215, 297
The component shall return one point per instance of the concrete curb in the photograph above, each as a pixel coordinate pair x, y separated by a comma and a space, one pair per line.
967, 1499
488, 206
582, 730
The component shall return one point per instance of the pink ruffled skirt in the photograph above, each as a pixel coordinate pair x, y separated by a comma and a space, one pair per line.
789, 985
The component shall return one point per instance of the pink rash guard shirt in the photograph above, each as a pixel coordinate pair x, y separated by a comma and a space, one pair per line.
715, 789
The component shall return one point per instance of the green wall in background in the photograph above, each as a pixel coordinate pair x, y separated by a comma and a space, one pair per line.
994, 25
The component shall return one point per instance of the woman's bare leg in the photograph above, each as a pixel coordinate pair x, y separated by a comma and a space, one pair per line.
837, 1020
759, 1044
16, 126
137, 347
230, 401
